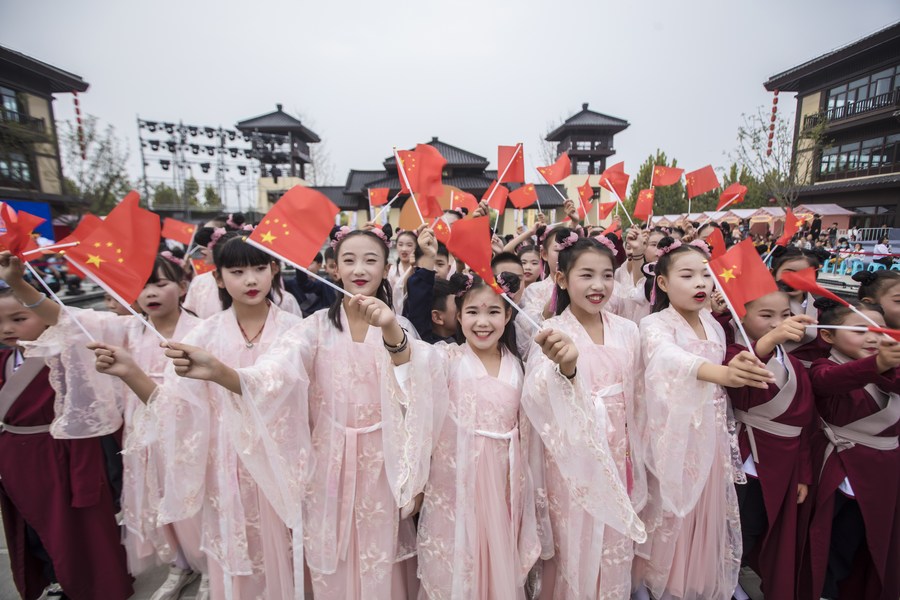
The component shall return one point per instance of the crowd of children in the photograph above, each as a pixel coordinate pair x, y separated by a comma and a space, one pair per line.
608, 437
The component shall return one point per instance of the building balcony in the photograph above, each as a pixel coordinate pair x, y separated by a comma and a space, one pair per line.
21, 120
860, 169
874, 106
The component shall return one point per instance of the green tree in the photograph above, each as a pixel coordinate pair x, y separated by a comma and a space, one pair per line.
100, 177
191, 191
668, 199
164, 195
211, 197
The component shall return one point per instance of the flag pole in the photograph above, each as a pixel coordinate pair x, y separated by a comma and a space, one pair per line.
708, 218
274, 254
619, 202
385, 207
734, 316
521, 311
48, 248
56, 299
494, 189
412, 194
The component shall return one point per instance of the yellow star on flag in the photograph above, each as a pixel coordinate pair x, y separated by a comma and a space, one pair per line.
728, 274
95, 260
268, 238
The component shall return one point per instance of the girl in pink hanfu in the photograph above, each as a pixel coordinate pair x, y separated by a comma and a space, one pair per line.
203, 294
477, 533
225, 432
694, 549
581, 400
400, 271
91, 405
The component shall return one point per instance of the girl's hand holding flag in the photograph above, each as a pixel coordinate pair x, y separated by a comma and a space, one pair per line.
378, 314
791, 329
559, 348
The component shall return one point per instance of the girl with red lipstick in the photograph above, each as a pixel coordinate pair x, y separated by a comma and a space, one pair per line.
853, 547
693, 551
91, 405
406, 244
580, 395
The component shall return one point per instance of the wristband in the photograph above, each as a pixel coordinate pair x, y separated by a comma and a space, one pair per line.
36, 304
399, 347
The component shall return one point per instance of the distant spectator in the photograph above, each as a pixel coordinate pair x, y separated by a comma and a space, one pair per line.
882, 251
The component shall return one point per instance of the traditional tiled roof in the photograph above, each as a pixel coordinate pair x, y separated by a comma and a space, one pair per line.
858, 183
278, 122
358, 181
587, 119
789, 80
336, 194
455, 157
56, 80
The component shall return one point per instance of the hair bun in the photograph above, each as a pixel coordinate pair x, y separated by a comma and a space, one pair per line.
458, 282
665, 242
865, 277
824, 304
509, 282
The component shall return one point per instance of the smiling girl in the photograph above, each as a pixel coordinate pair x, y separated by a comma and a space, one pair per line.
406, 244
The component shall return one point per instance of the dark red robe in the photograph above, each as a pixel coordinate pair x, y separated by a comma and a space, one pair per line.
59, 488
874, 476
783, 464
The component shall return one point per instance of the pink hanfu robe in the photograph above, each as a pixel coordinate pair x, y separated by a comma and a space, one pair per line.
694, 549
477, 534
593, 480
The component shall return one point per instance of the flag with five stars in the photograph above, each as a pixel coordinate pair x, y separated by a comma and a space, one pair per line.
558, 171
643, 208
663, 175
585, 193
496, 196
173, 229
805, 280
201, 266
613, 227
470, 242
792, 224
701, 181
462, 200
430, 166
378, 196
441, 230
606, 208
742, 276
716, 242
514, 157
16, 230
524, 196
615, 179
119, 253
733, 194
295, 229
87, 224
408, 163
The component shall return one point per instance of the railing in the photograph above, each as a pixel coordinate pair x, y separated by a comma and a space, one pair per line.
854, 108
873, 234
33, 123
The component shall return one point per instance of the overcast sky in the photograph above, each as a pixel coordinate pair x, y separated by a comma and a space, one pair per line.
370, 75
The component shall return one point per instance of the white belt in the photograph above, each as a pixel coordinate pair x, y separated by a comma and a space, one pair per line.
348, 499
512, 436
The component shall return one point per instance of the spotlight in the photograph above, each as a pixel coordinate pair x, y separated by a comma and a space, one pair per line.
231, 135
170, 128
195, 148
205, 167
171, 146
209, 131
193, 130
154, 145
246, 137
151, 126
164, 164
248, 153
211, 150
242, 169
234, 152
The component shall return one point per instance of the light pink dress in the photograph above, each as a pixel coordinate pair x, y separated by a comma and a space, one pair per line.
477, 532
694, 548
592, 550
90, 404
221, 451
203, 298
629, 300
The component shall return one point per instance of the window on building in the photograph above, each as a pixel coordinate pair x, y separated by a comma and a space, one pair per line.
837, 97
10, 107
871, 154
848, 157
881, 83
829, 160
14, 167
858, 91
583, 145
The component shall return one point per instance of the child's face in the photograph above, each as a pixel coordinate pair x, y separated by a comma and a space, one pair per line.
160, 299
114, 305
550, 255
650, 250
247, 285
483, 319
531, 267
331, 269
406, 248
855, 344
315, 266
792, 266
589, 282
18, 323
445, 321
688, 282
361, 264
890, 304
441, 266
766, 313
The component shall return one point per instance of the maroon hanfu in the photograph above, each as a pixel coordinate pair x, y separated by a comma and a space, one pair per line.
860, 411
775, 428
811, 347
59, 488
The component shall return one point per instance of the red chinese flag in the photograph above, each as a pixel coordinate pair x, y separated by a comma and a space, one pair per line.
701, 181
643, 208
613, 227
805, 280
792, 225
514, 157
378, 196
496, 196
441, 230
463, 200
430, 166
615, 179
430, 207
586, 192
742, 276
663, 175
407, 162
606, 208
88, 224
524, 196
716, 242
733, 194
173, 229
471, 243
119, 253
297, 226
201, 266
17, 228
558, 171
894, 333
